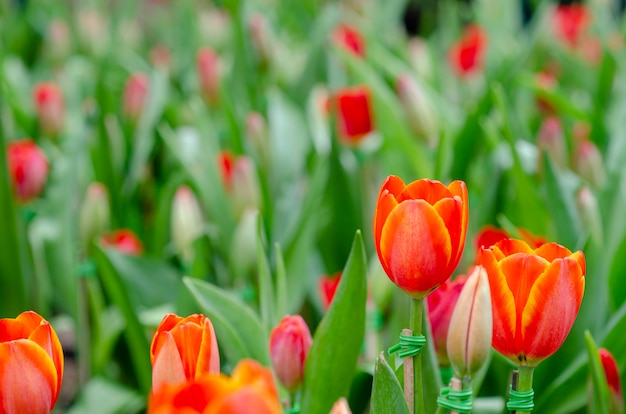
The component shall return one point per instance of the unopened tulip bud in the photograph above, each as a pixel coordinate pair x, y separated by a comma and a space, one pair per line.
258, 136
186, 222
588, 163
50, 107
124, 241
245, 187
328, 287
551, 140
243, 250
28, 168
418, 109
420, 58
613, 380
467, 54
261, 39
58, 40
545, 81
160, 57
208, 69
135, 96
469, 335
340, 407
349, 39
590, 213
92, 29
354, 114
94, 213
290, 342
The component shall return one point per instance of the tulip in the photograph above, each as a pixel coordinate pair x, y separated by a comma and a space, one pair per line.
588, 163
289, 346
354, 114
251, 385
469, 337
160, 57
466, 55
571, 22
50, 107
547, 82
327, 288
186, 222
440, 305
57, 40
349, 39
536, 295
341, 407
490, 235
613, 380
208, 69
124, 241
590, 213
261, 39
225, 160
551, 140
240, 181
31, 365
419, 232
418, 109
28, 168
420, 59
258, 137
215, 27
183, 349
94, 215
135, 96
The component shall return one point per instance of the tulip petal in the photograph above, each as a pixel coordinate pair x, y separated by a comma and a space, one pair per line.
188, 337
416, 245
28, 378
459, 189
552, 308
11, 329
208, 356
30, 319
451, 212
240, 401
384, 207
552, 251
168, 322
427, 190
167, 367
507, 247
45, 337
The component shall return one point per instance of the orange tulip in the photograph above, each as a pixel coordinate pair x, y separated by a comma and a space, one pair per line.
251, 385
183, 349
536, 295
31, 365
419, 232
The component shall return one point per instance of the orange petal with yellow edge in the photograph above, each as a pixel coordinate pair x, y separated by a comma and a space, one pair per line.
552, 251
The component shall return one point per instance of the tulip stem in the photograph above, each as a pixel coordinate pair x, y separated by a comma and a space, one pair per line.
417, 309
524, 382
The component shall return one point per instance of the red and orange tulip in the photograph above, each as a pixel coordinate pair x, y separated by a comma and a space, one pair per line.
31, 365
183, 349
536, 295
419, 232
251, 385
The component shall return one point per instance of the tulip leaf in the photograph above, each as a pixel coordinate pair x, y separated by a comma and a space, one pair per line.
101, 396
387, 393
599, 387
281, 283
267, 300
331, 364
239, 330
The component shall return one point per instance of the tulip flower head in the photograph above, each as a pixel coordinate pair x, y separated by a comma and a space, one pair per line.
419, 232
613, 380
123, 240
349, 39
571, 22
354, 114
328, 287
28, 168
94, 215
50, 107
208, 68
31, 365
289, 347
467, 54
183, 349
135, 96
536, 295
186, 222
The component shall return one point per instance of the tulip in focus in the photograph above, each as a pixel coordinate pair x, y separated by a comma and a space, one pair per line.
469, 336
419, 112
328, 287
183, 349
613, 380
419, 232
31, 365
354, 114
440, 304
186, 222
123, 240
535, 294
349, 39
467, 54
28, 168
250, 385
135, 96
94, 216
208, 69
289, 346
50, 107
489, 235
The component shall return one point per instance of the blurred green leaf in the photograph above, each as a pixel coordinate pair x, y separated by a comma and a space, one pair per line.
102, 396
281, 283
337, 342
267, 297
387, 393
599, 389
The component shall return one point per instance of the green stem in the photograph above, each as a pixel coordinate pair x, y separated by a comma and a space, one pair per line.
525, 382
415, 324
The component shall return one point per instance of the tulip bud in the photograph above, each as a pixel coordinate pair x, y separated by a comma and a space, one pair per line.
469, 335
418, 109
135, 96
186, 222
613, 380
289, 346
57, 40
588, 163
349, 39
258, 137
261, 39
354, 114
420, 58
28, 168
215, 28
160, 57
340, 407
94, 213
244, 244
467, 54
547, 82
571, 22
124, 241
92, 30
241, 182
327, 288
50, 108
551, 140
208, 68
590, 213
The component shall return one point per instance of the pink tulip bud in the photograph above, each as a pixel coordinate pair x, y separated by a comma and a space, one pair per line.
289, 346
613, 380
258, 137
135, 96
418, 109
160, 57
588, 163
240, 180
349, 39
186, 222
94, 213
354, 114
261, 39
590, 213
207, 66
551, 140
469, 335
28, 168
50, 107
124, 241
547, 82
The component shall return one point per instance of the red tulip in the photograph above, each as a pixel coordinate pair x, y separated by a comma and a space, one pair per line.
613, 380
28, 167
490, 235
354, 114
349, 39
466, 55
50, 107
289, 346
419, 232
31, 365
207, 66
571, 22
183, 349
536, 295
440, 305
124, 240
250, 385
135, 96
327, 288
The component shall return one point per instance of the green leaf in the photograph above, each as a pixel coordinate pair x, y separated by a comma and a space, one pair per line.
239, 330
337, 342
281, 283
600, 390
101, 396
387, 393
267, 300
